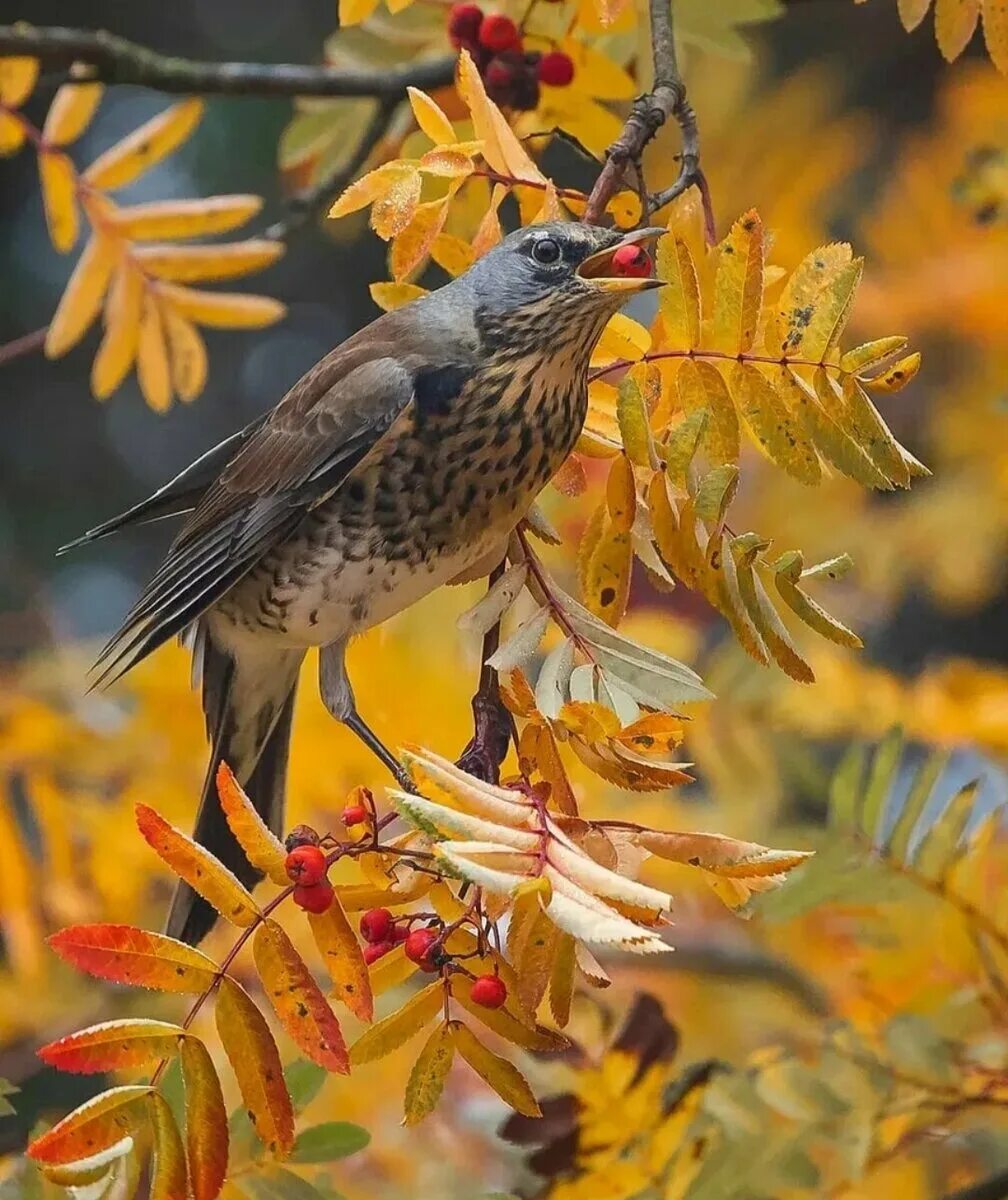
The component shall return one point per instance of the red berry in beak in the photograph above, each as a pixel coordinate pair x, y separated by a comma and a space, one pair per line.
631, 261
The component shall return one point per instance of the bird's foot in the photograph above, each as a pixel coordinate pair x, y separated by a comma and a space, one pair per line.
488, 747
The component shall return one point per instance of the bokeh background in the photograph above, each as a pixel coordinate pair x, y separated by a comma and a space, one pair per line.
836, 124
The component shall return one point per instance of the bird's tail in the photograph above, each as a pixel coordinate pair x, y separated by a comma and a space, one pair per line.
249, 707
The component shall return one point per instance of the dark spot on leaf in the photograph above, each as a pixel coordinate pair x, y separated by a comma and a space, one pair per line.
607, 596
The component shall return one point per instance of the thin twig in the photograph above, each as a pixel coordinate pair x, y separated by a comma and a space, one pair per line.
107, 58
648, 114
28, 343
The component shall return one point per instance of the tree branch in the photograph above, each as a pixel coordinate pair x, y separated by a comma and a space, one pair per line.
104, 57
648, 114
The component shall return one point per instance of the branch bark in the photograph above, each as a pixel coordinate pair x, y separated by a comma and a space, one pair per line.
107, 58
648, 114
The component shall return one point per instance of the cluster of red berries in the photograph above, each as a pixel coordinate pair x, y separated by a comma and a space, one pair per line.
382, 932
306, 868
512, 75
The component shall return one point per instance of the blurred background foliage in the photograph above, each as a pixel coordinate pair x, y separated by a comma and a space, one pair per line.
834, 123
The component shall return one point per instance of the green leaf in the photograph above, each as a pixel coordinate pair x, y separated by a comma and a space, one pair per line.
304, 1082
272, 1182
328, 1142
942, 844
880, 780
845, 789
917, 1048
7, 1089
927, 776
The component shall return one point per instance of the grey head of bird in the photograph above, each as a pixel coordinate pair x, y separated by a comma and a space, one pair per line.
549, 284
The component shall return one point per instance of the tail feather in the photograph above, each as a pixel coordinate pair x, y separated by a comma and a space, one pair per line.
249, 715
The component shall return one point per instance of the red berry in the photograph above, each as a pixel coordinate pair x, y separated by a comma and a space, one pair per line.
418, 948
400, 933
376, 925
556, 69
499, 74
489, 990
315, 898
305, 865
375, 950
632, 261
354, 814
498, 33
464, 22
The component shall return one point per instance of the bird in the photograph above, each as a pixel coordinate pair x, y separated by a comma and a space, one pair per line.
401, 461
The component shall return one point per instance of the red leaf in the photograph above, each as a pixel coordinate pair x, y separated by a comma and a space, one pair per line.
97, 1124
125, 954
113, 1046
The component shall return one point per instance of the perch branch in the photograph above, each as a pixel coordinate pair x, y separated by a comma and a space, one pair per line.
107, 58
648, 114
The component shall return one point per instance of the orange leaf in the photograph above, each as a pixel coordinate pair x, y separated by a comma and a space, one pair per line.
501, 148
82, 296
205, 874
125, 954
168, 1166
343, 959
206, 1121
145, 146
93, 1127
113, 1046
255, 1060
59, 197
297, 999
430, 118
393, 210
261, 846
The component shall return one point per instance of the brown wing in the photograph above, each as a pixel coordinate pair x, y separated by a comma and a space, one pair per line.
307, 446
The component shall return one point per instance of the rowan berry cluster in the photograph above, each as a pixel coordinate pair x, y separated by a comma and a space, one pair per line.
307, 866
511, 73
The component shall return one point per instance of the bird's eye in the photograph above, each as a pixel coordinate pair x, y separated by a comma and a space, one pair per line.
545, 251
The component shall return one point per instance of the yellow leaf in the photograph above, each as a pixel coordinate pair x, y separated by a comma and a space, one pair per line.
505, 1024
701, 387
955, 21
622, 338
190, 264
259, 843
72, 108
197, 866
59, 196
738, 285
153, 369
172, 219
995, 27
634, 425
389, 296
489, 232
353, 12
12, 132
831, 310
397, 1028
122, 330
168, 1163
343, 959
533, 958
452, 254
255, 1060
766, 619
393, 210
501, 148
798, 300
17, 79
896, 377
206, 1121
186, 354
505, 1078
871, 353
781, 435
297, 999
144, 147
679, 300
82, 298
430, 118
561, 987
621, 494
370, 187
427, 1078
861, 419
447, 162
113, 1046
786, 576
222, 310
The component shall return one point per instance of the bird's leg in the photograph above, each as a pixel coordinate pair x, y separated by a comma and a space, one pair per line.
338, 697
492, 722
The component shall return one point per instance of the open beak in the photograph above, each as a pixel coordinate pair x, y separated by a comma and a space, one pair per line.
598, 267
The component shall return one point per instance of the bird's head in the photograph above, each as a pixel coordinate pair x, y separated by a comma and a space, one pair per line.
554, 279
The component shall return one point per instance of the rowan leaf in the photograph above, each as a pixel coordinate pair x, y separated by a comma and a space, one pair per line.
501, 148
59, 198
94, 1126
807, 610
187, 355
427, 1078
222, 310
800, 296
112, 1046
488, 611
118, 349
205, 874
634, 426
172, 220
82, 297
895, 377
398, 1027
255, 1060
870, 354
831, 311
168, 1163
942, 843
297, 999
766, 618
607, 577
18, 76
897, 845
124, 954
343, 959
145, 146
259, 843
192, 264
701, 388
781, 434
328, 1142
390, 296
870, 432
679, 301
522, 644
505, 1024
505, 1078
955, 22
738, 286
412, 246
431, 118
70, 112
831, 440
561, 985
206, 1123
153, 366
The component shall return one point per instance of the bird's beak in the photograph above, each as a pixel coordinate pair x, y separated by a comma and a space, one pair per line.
598, 267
